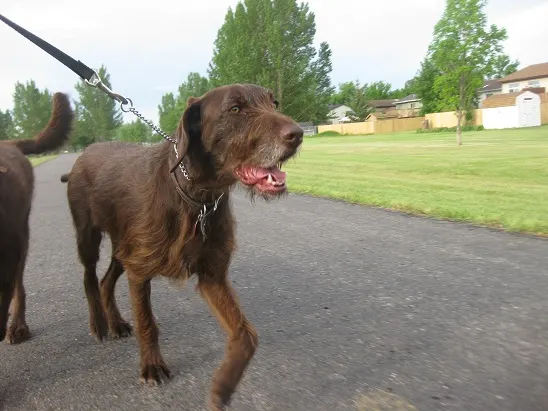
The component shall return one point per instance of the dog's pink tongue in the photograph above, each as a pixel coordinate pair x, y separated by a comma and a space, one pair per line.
277, 174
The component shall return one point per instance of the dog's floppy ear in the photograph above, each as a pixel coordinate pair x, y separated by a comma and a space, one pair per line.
189, 131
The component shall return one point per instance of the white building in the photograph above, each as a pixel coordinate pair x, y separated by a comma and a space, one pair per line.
513, 110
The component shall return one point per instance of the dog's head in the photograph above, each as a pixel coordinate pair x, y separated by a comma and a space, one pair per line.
234, 133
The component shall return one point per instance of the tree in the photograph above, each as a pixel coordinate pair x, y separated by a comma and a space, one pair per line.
378, 90
6, 125
324, 89
172, 107
502, 67
31, 110
270, 42
97, 115
464, 50
345, 94
355, 96
423, 86
136, 132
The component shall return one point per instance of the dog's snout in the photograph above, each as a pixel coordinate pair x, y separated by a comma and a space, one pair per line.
292, 134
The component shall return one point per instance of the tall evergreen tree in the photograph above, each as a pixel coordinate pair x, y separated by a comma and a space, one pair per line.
324, 89
270, 42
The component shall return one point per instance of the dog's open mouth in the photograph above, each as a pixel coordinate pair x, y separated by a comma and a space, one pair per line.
266, 180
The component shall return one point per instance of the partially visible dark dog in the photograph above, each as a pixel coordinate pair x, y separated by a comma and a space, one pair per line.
16, 193
155, 214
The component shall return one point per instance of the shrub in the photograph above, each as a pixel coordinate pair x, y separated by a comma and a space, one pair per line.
451, 129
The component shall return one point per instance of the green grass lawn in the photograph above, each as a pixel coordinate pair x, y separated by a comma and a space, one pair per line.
496, 178
36, 160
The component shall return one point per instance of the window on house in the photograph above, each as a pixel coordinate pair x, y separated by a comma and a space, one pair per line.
412, 105
514, 87
534, 83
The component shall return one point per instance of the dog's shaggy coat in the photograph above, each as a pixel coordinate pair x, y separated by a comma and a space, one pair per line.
230, 134
16, 194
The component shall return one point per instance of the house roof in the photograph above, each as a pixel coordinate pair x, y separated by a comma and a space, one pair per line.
382, 116
383, 103
490, 85
334, 106
407, 99
527, 73
509, 99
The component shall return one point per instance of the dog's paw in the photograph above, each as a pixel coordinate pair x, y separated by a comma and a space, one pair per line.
153, 374
220, 396
17, 333
99, 329
121, 329
216, 403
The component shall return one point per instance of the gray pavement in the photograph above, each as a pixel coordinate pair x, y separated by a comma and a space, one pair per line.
347, 300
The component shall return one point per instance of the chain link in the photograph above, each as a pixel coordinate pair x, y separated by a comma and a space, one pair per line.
159, 131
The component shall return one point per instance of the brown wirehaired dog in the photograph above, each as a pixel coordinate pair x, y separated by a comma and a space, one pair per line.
176, 220
16, 193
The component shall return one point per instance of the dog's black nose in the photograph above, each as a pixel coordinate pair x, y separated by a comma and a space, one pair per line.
292, 134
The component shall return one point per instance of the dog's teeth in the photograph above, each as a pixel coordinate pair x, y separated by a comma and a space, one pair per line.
270, 180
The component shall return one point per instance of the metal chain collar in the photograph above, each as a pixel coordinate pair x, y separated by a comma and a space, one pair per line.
157, 129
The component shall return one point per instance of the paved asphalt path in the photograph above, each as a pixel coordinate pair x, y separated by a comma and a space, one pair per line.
347, 301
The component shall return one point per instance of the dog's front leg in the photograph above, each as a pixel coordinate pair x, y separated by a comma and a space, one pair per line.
242, 339
153, 367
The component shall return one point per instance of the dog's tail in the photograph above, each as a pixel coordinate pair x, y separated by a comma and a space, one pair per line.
57, 131
65, 177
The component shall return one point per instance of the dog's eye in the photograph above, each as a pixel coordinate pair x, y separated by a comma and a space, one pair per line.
235, 109
276, 103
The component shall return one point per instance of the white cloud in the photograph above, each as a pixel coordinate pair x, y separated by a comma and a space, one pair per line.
149, 50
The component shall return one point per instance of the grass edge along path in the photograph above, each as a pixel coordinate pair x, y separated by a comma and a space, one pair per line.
497, 179
37, 160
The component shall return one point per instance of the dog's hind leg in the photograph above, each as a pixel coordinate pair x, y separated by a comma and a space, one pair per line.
117, 325
18, 330
6, 293
89, 240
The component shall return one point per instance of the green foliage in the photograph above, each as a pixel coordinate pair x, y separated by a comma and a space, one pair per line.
379, 90
502, 67
465, 51
357, 96
450, 129
135, 132
97, 115
423, 86
6, 125
270, 42
324, 90
345, 93
31, 110
172, 107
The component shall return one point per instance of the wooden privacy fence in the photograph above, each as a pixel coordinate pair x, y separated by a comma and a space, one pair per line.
436, 120
375, 127
449, 119
544, 113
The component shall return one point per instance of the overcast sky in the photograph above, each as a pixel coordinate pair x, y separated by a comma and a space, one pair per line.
149, 50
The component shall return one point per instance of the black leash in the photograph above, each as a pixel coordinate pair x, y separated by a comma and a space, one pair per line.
87, 74
91, 77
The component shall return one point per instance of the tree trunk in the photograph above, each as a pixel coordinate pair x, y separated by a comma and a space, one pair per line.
459, 131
